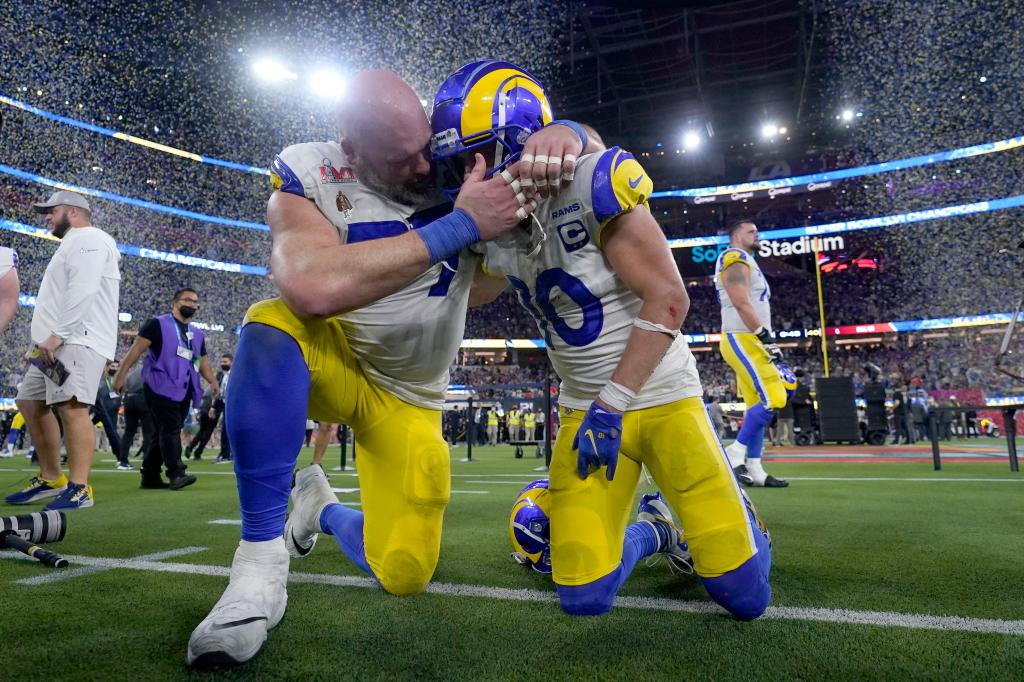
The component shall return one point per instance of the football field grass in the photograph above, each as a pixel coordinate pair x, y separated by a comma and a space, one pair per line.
881, 571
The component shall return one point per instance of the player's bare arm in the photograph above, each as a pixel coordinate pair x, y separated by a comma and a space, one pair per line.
636, 248
485, 288
736, 279
318, 276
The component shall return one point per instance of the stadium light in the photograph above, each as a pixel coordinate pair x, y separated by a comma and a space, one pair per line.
847, 115
691, 140
327, 84
769, 130
273, 70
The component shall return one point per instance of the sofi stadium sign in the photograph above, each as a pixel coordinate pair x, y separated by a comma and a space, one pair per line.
774, 247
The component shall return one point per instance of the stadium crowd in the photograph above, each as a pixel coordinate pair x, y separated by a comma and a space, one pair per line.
913, 279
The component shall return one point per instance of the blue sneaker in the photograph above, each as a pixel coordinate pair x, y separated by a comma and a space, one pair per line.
38, 488
654, 510
76, 496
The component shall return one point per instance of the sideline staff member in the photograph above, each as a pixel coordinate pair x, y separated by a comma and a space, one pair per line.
75, 323
176, 358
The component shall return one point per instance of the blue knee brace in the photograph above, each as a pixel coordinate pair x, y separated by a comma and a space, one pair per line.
266, 412
745, 591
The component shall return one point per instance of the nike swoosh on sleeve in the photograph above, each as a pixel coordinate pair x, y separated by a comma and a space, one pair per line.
634, 183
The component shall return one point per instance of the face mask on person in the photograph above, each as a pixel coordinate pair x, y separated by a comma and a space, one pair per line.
225, 366
111, 372
187, 311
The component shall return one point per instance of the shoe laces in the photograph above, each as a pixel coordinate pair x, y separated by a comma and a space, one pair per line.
676, 565
76, 491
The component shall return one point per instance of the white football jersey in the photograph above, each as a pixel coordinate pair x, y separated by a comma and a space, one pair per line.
405, 341
583, 310
760, 292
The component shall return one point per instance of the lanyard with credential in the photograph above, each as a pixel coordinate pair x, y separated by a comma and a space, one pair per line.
187, 343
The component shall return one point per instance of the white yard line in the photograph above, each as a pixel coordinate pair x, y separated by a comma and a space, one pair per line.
59, 575
915, 621
897, 478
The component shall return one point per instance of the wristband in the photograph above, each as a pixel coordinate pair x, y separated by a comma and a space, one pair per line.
576, 128
616, 396
447, 236
640, 323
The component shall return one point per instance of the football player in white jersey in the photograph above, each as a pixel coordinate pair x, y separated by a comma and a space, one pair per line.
9, 286
594, 269
747, 344
374, 279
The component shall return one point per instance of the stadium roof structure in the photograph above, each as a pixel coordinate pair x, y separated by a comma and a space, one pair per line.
660, 67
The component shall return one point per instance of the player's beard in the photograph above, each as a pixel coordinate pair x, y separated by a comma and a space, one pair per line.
61, 226
413, 193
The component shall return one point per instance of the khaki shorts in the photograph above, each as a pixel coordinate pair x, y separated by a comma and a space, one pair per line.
85, 369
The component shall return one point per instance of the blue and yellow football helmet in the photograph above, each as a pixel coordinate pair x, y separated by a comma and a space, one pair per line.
788, 377
484, 103
529, 528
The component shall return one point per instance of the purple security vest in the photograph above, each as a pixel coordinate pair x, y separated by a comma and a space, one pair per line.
171, 375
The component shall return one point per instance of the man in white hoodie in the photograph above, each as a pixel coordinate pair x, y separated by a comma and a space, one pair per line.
74, 327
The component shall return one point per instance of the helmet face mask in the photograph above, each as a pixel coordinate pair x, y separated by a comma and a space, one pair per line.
485, 106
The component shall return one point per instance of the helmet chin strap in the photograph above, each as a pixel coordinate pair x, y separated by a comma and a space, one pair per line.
537, 236
499, 152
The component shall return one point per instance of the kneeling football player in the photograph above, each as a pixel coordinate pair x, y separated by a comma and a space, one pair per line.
593, 268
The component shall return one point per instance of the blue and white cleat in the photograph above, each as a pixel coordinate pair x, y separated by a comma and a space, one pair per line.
38, 488
654, 510
75, 496
311, 492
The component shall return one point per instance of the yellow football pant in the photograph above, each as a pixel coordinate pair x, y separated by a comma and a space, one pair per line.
680, 448
403, 463
757, 378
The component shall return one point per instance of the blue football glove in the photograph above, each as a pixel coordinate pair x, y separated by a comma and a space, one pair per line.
598, 440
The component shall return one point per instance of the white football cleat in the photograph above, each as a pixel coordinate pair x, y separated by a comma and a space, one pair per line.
253, 603
311, 492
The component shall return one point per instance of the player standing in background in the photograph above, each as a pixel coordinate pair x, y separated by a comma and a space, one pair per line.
374, 281
593, 268
749, 347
